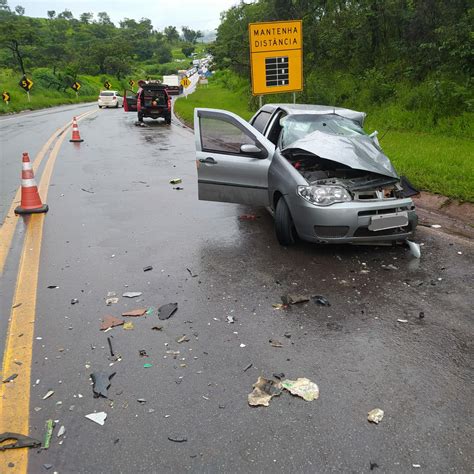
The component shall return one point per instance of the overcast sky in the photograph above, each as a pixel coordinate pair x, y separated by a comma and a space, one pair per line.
197, 14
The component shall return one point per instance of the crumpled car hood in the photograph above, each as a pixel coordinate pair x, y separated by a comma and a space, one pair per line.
358, 152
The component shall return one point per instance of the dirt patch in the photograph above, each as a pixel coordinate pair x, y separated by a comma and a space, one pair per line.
453, 216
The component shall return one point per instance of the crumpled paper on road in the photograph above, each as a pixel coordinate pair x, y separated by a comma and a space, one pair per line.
263, 391
302, 387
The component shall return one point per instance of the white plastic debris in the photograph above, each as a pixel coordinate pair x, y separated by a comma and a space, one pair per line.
98, 418
402, 320
375, 415
436, 226
48, 394
414, 249
132, 294
61, 431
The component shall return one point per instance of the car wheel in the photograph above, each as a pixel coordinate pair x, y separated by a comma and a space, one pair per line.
284, 227
117, 105
100, 106
168, 120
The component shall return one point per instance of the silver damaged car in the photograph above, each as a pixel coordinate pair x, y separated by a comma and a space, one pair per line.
314, 167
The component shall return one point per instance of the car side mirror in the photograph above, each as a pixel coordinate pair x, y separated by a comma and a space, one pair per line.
248, 148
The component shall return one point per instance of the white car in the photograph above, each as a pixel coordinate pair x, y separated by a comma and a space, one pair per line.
110, 99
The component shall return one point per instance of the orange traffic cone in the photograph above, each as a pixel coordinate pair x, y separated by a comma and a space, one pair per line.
30, 199
76, 137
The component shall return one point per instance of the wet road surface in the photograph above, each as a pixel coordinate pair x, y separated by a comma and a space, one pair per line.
113, 212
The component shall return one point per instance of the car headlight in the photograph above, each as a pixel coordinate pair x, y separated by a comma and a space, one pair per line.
324, 195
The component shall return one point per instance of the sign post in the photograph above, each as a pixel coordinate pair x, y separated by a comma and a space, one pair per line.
6, 97
276, 57
26, 84
185, 82
76, 86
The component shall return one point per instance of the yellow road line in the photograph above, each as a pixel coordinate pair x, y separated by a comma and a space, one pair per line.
7, 230
15, 396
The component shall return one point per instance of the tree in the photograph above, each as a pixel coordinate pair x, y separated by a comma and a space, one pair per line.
51, 14
104, 18
187, 49
4, 6
86, 17
190, 35
171, 34
66, 15
20, 10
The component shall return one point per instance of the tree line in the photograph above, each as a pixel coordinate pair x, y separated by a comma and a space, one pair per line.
85, 45
368, 51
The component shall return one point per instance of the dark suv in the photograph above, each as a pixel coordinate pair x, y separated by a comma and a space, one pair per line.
151, 100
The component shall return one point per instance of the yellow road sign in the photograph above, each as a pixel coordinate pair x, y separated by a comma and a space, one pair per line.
185, 82
131, 82
76, 86
107, 85
276, 56
26, 83
5, 96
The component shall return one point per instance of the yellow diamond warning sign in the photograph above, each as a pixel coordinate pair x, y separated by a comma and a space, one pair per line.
276, 57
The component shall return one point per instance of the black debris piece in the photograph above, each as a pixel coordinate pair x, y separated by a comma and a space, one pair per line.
52, 287
74, 301
109, 341
279, 376
157, 328
421, 315
19, 441
193, 275
320, 300
9, 379
373, 465
177, 438
167, 310
142, 353
247, 367
148, 268
101, 381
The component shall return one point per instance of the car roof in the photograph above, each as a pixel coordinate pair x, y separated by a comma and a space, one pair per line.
299, 109
116, 92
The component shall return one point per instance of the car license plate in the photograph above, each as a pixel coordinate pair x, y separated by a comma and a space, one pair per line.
388, 221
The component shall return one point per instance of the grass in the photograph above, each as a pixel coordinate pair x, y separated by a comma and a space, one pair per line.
212, 96
42, 97
438, 163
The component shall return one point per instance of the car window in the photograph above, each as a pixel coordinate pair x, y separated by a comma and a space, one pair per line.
295, 127
222, 137
261, 120
107, 94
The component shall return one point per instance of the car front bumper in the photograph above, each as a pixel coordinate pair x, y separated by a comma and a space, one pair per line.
349, 222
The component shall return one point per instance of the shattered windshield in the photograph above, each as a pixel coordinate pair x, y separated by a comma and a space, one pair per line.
295, 127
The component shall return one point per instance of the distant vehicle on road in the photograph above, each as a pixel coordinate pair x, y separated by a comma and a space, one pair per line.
320, 174
110, 99
151, 100
174, 83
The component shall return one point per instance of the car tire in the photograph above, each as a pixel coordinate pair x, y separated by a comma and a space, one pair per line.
284, 226
168, 120
140, 117
100, 106
117, 105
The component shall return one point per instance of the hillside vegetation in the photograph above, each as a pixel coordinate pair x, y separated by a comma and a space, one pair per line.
59, 50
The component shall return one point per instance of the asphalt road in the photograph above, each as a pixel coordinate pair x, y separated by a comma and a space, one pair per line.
113, 212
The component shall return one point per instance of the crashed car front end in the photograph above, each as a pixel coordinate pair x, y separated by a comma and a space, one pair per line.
336, 211
345, 190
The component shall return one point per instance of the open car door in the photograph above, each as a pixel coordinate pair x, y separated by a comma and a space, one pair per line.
129, 101
232, 158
